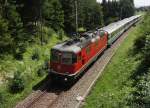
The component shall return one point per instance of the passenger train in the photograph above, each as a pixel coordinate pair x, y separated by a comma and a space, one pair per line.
70, 58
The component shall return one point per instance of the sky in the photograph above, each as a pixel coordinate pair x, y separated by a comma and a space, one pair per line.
138, 3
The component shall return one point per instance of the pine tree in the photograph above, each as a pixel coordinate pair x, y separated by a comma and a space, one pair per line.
127, 8
5, 37
53, 14
69, 15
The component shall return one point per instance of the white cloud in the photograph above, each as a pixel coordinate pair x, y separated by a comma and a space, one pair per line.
138, 3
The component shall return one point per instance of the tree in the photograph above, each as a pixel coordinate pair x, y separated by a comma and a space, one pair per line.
127, 8
5, 37
115, 10
53, 14
111, 11
89, 14
69, 15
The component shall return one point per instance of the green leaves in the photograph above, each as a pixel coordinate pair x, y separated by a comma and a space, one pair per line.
115, 10
53, 14
89, 14
17, 84
141, 76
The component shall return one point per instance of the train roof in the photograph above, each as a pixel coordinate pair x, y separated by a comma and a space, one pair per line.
116, 25
75, 45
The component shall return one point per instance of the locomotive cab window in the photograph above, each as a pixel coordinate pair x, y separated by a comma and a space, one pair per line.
68, 58
55, 56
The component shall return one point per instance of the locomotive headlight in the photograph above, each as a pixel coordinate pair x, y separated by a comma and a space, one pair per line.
65, 79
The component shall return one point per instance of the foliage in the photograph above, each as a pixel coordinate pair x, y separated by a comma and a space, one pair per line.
35, 55
115, 10
26, 22
89, 14
5, 37
17, 84
127, 8
42, 70
141, 77
2, 98
53, 14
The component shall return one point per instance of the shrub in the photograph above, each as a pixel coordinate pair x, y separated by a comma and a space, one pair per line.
43, 69
46, 64
41, 72
17, 84
36, 55
147, 48
2, 98
139, 44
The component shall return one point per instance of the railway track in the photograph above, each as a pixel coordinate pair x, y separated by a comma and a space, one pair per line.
44, 97
53, 96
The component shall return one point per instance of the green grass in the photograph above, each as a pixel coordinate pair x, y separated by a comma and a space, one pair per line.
28, 68
114, 86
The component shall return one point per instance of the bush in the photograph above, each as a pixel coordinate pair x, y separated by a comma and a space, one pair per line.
139, 44
2, 98
41, 72
46, 64
43, 69
81, 30
36, 55
147, 49
19, 52
17, 84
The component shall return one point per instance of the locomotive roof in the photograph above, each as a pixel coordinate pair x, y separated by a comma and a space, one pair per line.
67, 48
74, 45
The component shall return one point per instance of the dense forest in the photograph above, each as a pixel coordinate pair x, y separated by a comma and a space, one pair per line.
23, 22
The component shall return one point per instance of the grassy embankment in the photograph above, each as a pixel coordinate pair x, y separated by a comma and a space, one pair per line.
31, 69
115, 85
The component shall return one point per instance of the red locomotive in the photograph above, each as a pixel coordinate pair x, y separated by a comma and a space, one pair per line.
72, 57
